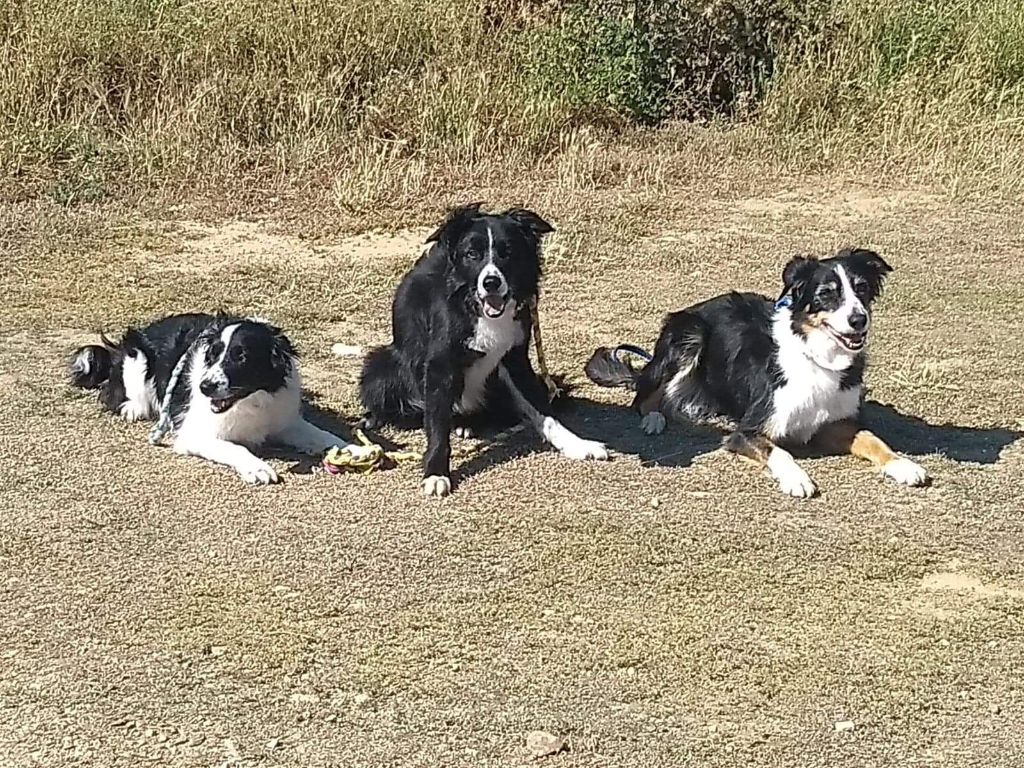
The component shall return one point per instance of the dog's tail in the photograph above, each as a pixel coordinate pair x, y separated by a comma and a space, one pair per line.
612, 368
90, 365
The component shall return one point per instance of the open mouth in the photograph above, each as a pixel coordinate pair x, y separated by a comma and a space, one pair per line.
492, 305
854, 342
222, 404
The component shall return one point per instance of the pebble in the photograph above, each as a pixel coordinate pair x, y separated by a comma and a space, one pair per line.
542, 743
844, 725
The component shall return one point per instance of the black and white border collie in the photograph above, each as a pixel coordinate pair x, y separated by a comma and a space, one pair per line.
237, 389
461, 326
781, 372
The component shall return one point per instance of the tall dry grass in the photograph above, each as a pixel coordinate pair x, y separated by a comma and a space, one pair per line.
931, 88
98, 96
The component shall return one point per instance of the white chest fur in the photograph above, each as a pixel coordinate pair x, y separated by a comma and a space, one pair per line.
494, 337
812, 395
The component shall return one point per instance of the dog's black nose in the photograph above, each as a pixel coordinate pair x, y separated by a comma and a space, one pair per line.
858, 321
492, 283
208, 388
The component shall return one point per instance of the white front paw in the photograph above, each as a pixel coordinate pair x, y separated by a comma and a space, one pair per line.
437, 485
257, 472
795, 482
905, 471
583, 450
464, 432
653, 423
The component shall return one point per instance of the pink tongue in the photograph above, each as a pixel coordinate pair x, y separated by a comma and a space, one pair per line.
494, 302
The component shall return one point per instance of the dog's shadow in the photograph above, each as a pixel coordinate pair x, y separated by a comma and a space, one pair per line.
618, 426
911, 435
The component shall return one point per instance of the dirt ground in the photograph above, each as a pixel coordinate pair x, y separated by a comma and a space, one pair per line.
669, 608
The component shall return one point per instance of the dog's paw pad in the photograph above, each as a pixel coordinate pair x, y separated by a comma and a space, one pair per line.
905, 471
464, 432
437, 486
653, 423
258, 473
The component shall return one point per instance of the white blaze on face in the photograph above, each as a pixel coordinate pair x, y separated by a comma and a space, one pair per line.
215, 373
852, 305
492, 298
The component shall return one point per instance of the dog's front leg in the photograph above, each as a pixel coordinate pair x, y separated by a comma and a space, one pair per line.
310, 439
250, 468
439, 399
790, 476
531, 398
848, 437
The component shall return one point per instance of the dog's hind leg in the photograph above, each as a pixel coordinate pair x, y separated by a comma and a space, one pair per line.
388, 391
676, 355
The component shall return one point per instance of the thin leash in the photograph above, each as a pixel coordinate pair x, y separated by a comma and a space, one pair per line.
549, 381
165, 423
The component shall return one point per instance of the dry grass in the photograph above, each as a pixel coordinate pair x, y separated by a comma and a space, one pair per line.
156, 611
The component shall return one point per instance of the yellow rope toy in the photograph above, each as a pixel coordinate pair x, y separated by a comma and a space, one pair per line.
365, 456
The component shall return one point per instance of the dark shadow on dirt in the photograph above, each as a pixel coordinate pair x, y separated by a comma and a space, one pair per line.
618, 426
909, 434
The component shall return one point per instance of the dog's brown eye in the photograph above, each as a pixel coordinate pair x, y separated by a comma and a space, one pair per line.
860, 287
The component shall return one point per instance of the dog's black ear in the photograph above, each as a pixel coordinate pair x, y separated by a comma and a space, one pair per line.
530, 220
867, 260
454, 224
282, 351
797, 272
868, 265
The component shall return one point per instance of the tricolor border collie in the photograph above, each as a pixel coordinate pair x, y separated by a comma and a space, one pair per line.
461, 326
236, 387
781, 372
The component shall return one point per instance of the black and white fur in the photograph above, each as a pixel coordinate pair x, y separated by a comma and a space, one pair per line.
238, 387
778, 371
461, 327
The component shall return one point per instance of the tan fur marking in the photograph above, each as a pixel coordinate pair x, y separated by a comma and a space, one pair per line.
755, 449
847, 437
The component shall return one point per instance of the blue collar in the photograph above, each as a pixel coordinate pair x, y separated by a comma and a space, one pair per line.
785, 301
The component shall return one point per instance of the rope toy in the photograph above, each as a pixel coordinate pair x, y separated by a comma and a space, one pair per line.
365, 456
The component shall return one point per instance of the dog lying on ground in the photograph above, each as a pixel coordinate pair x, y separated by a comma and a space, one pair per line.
461, 322
235, 387
787, 371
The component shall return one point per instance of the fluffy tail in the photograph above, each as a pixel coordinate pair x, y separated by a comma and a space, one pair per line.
90, 365
610, 368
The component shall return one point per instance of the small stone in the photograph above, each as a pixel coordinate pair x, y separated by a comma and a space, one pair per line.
361, 698
994, 709
273, 744
655, 503
543, 744
844, 725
